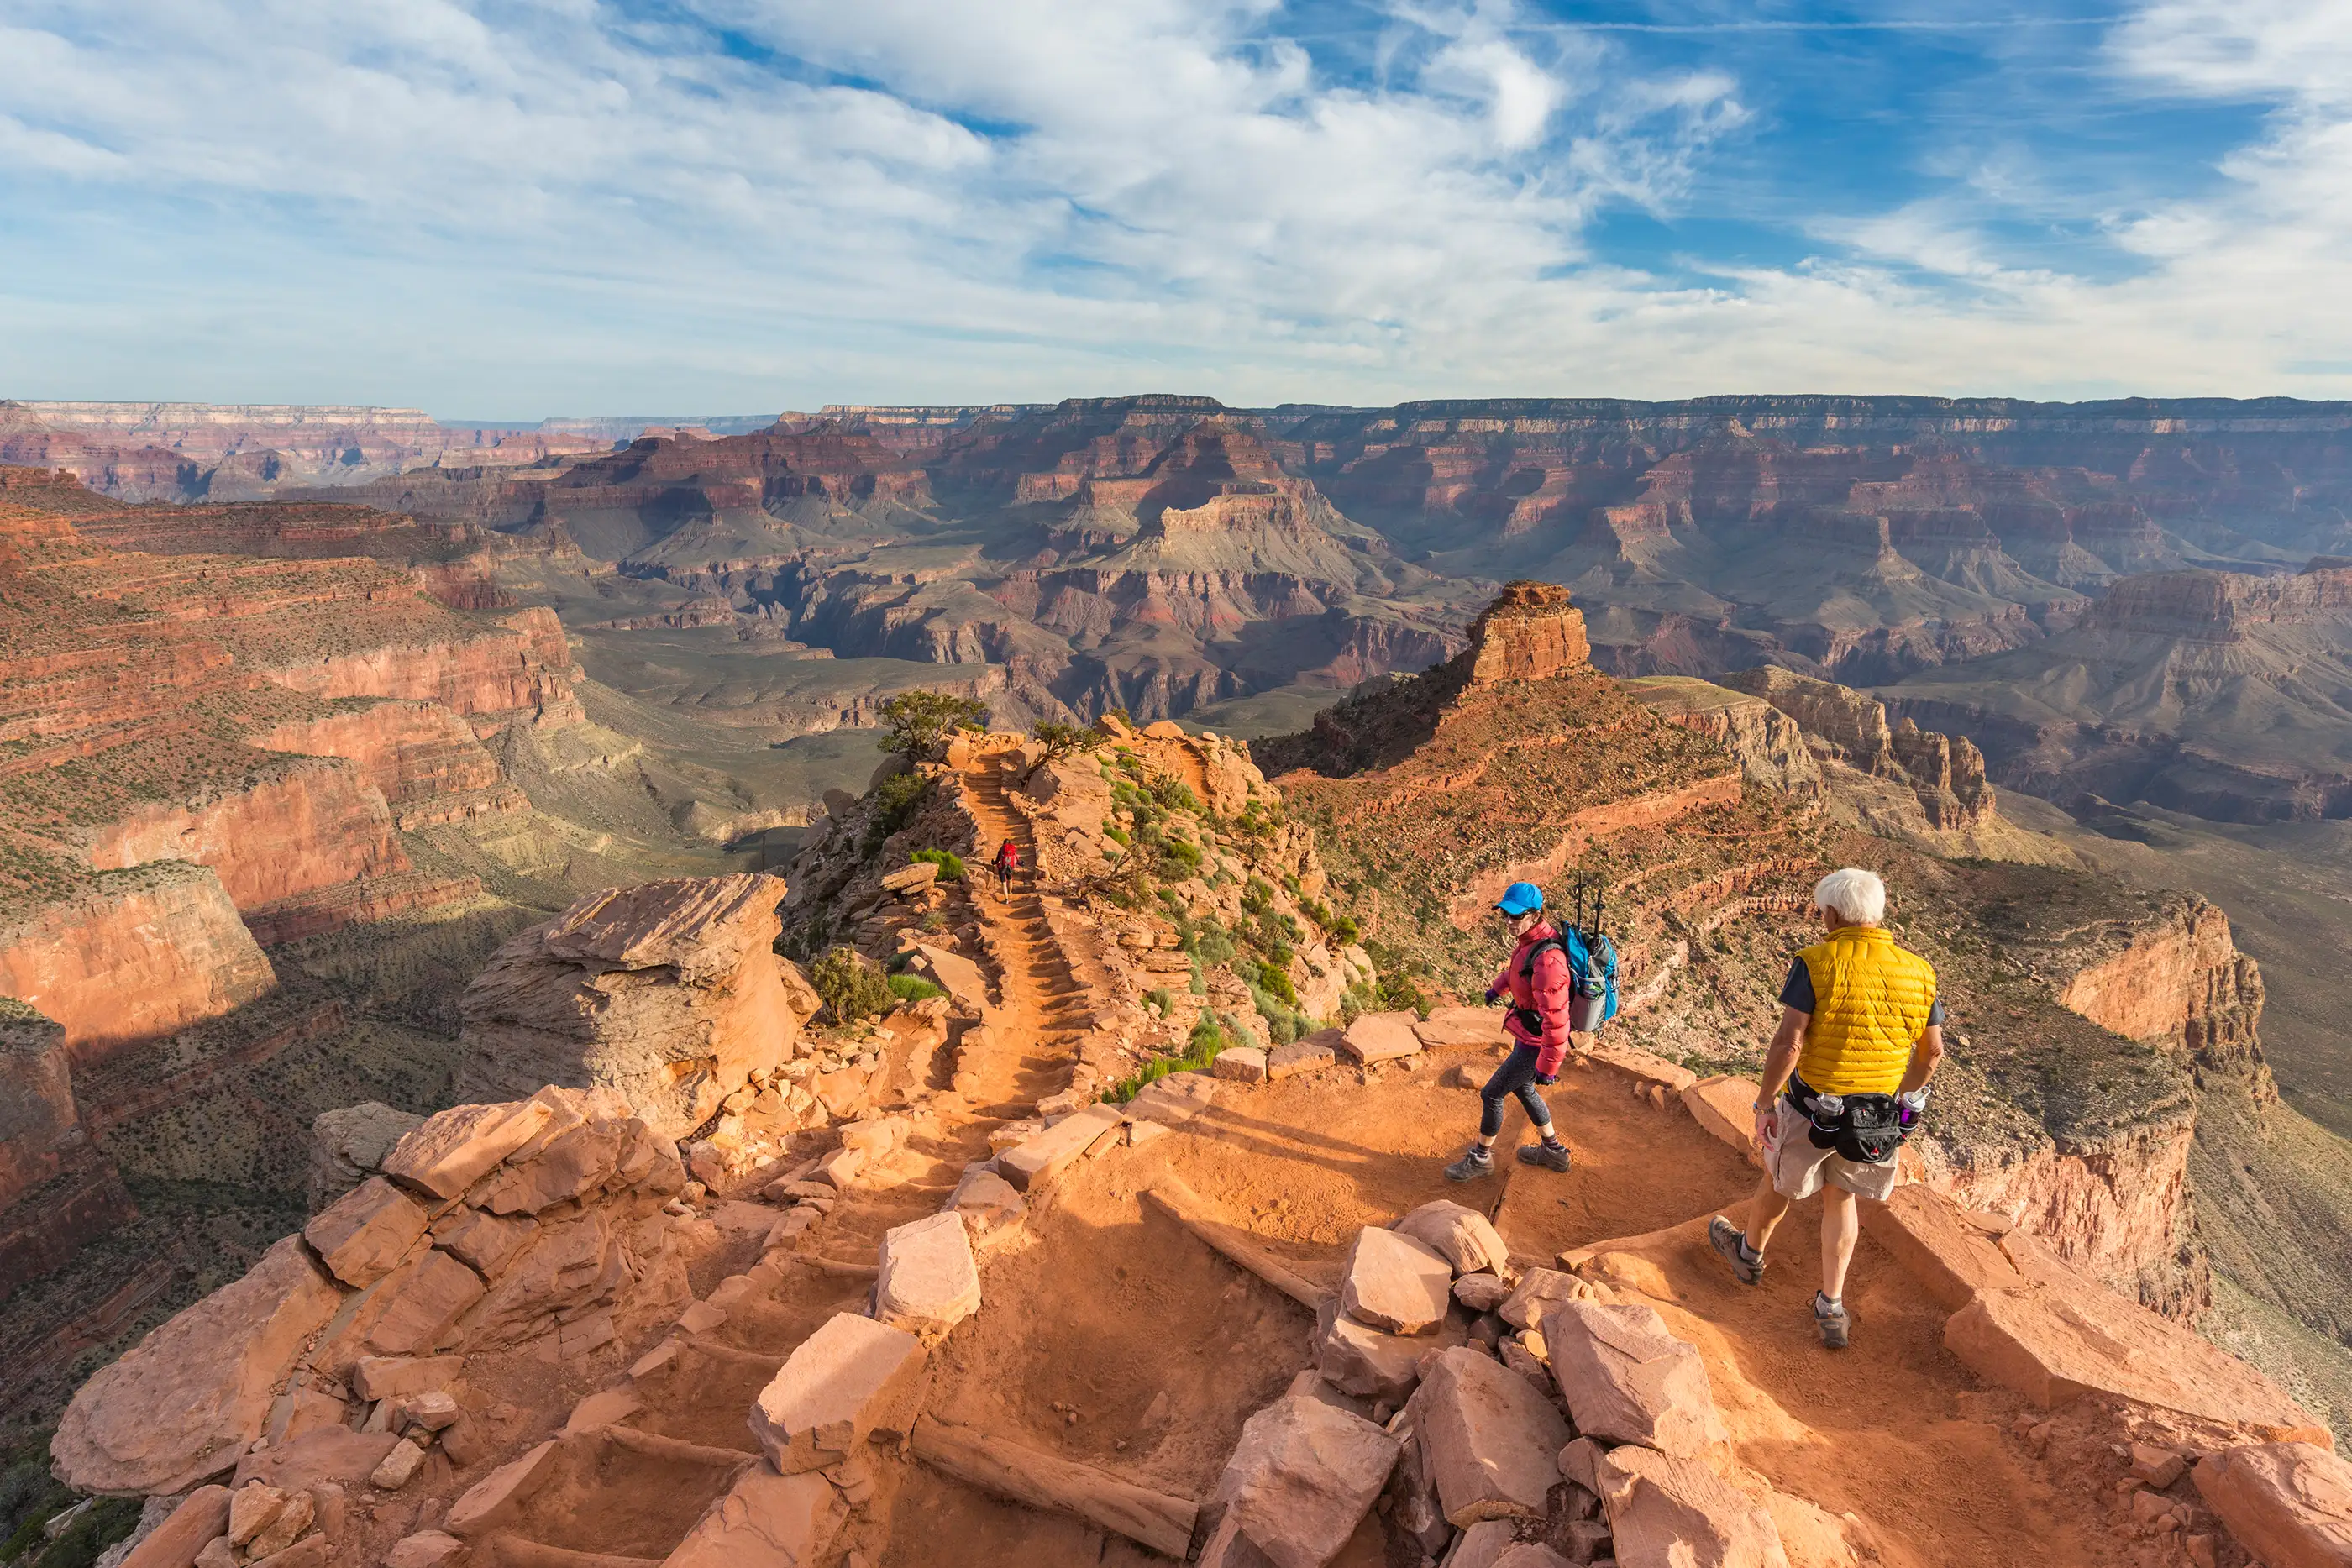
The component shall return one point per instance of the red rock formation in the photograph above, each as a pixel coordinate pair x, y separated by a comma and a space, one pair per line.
56, 1190
1530, 633
667, 993
133, 955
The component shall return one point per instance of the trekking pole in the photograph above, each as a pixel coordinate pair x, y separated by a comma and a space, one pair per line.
1600, 892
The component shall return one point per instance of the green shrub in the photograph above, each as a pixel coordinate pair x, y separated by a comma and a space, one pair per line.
1118, 835
1061, 739
1210, 1035
1275, 981
913, 989
1182, 856
951, 864
852, 986
1158, 1000
1344, 928
894, 802
920, 722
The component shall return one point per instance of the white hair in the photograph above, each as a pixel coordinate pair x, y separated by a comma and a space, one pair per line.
1854, 895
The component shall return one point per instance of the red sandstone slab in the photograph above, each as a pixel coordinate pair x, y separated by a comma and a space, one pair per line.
2056, 1342
1726, 1106
2288, 1503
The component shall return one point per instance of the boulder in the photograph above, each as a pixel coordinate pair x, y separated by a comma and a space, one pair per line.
486, 1243
392, 1376
1490, 1441
957, 975
1726, 1106
1461, 1026
1379, 1037
765, 1521
990, 1205
1242, 1063
850, 1378
668, 992
1396, 1283
2056, 1341
1174, 1100
496, 1501
912, 878
929, 1281
1038, 1160
1524, 1307
186, 1400
1463, 1237
451, 1151
349, 1145
174, 1543
1669, 1512
800, 997
1369, 1363
568, 1167
1481, 1293
364, 1234
425, 1549
1626, 1379
1301, 1478
421, 1300
328, 1456
1311, 1054
2290, 1504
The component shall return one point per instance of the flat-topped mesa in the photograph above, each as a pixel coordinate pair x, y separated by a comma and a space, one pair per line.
1530, 633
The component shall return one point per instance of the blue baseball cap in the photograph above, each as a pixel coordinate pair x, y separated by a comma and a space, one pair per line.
1520, 897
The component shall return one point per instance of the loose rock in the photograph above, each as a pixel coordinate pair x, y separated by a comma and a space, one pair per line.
1489, 1440
850, 1378
1396, 1283
1627, 1379
929, 1281
1302, 1478
1466, 1238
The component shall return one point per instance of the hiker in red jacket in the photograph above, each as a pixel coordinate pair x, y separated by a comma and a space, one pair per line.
1535, 979
1007, 862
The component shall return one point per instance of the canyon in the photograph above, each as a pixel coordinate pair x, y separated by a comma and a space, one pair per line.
316, 786
1019, 1264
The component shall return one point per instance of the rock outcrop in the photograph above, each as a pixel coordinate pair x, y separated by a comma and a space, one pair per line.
399, 1274
1947, 775
1530, 633
666, 993
57, 1191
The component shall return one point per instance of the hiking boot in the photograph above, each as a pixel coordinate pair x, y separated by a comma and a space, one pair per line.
1478, 1161
1552, 1156
1831, 1317
1732, 1242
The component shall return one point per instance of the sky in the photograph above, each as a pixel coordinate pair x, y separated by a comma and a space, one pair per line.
512, 209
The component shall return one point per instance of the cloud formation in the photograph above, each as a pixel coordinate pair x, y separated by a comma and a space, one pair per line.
530, 206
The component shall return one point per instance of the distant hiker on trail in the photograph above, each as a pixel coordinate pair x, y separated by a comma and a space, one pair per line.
1007, 862
1861, 1032
1535, 979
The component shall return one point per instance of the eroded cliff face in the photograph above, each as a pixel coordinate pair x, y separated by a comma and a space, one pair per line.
1772, 750
133, 955
57, 1191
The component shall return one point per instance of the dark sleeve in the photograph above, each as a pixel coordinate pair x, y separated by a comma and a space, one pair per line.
1797, 991
1935, 1012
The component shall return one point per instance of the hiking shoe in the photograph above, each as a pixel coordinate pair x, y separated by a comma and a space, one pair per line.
1732, 1242
1478, 1161
1831, 1317
1551, 1156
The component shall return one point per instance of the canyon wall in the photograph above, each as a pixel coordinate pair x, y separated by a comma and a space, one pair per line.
57, 1191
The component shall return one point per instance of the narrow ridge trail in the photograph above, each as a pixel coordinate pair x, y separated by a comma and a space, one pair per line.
1033, 1032
642, 1460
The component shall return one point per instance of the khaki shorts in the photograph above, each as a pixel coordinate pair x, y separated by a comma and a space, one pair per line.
1800, 1170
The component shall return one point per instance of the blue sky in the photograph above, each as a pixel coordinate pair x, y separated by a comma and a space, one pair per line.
516, 208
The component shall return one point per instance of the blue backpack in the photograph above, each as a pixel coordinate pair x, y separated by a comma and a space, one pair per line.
1591, 969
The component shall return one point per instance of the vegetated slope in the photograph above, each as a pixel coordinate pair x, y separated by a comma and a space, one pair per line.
2062, 1101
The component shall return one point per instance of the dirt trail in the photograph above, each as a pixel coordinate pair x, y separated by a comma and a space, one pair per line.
1033, 1032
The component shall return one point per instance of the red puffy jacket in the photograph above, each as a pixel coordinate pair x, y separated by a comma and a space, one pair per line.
1546, 993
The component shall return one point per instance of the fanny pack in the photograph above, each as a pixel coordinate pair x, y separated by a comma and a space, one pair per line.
1863, 1128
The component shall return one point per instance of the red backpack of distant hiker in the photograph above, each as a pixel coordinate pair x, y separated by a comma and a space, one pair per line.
1008, 858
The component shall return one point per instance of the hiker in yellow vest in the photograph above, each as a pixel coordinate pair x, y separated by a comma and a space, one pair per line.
1861, 1032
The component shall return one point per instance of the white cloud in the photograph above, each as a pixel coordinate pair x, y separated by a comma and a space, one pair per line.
545, 204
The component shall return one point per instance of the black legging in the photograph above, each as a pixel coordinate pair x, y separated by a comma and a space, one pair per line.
1516, 1076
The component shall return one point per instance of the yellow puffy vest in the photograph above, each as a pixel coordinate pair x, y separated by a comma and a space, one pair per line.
1871, 999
